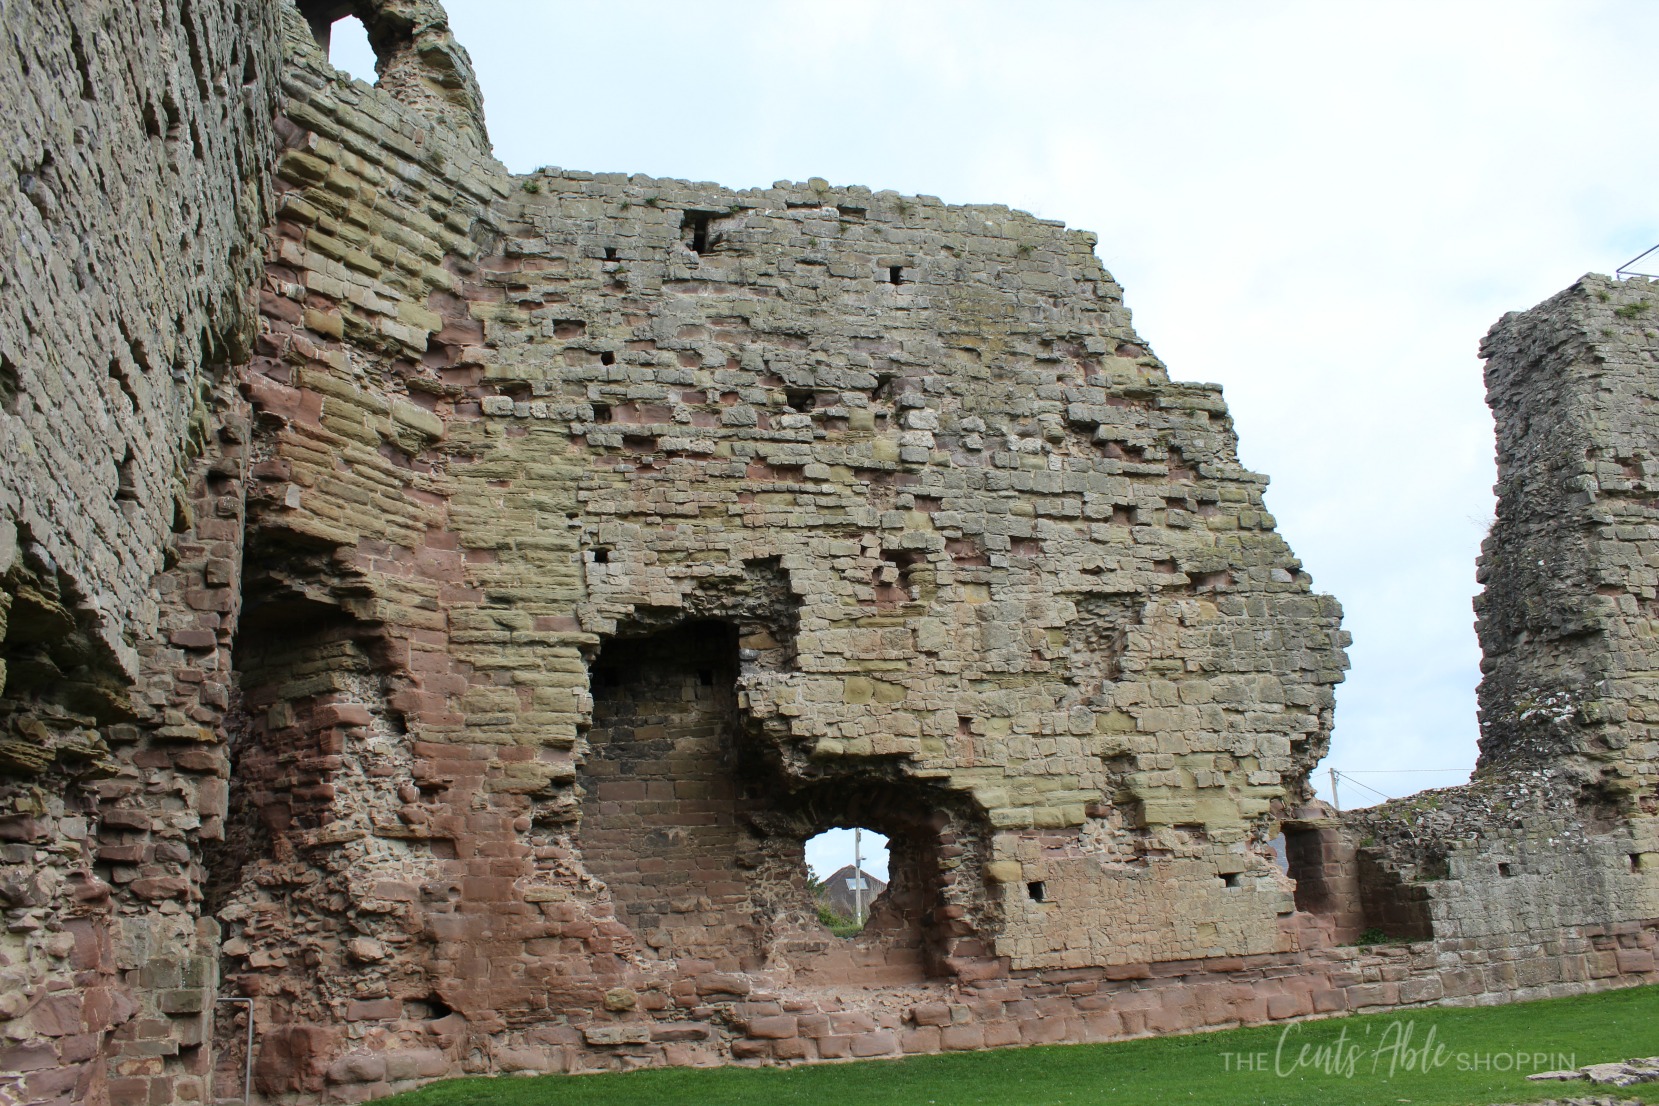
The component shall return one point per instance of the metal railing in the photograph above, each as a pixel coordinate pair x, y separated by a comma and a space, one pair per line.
247, 1062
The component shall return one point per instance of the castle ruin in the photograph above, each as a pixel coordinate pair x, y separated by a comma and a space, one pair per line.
437, 605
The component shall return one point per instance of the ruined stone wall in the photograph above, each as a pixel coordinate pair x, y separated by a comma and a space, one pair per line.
1557, 833
490, 630
975, 571
139, 139
1568, 675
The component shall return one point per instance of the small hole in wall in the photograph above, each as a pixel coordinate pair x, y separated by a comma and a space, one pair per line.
1635, 862
848, 871
694, 230
11, 386
126, 489
895, 274
607, 358
705, 677
119, 374
426, 1009
601, 556
610, 253
800, 399
602, 412
349, 50
1229, 879
1037, 891
1505, 870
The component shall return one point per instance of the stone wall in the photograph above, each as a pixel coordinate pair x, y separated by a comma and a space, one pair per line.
1559, 829
139, 139
560, 552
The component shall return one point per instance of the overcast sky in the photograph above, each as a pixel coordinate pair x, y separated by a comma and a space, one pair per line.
1321, 206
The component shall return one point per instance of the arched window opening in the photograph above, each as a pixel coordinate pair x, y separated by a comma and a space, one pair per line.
342, 36
848, 871
348, 48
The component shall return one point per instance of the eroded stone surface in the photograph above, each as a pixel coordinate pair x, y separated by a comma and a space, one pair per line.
563, 551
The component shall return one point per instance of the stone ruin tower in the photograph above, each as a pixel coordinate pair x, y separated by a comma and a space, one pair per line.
439, 604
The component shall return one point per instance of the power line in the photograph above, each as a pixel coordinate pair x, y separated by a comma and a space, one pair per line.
1392, 771
1357, 783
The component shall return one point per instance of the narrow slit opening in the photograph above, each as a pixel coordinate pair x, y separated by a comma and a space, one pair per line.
694, 230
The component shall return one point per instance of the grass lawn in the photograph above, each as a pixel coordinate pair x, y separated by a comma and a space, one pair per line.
1355, 1061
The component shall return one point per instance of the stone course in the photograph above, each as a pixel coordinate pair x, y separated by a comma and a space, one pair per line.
512, 573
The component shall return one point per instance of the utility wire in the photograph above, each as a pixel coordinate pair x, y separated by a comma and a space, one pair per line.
1357, 783
1392, 771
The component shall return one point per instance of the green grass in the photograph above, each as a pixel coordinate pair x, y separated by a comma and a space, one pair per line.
1198, 1070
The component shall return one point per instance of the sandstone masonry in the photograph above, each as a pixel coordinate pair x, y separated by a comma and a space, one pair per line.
465, 597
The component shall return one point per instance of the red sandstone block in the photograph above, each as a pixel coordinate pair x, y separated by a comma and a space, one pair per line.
1289, 1006
1053, 1007
1422, 990
156, 888
1329, 1002
930, 1013
362, 1010
415, 1063
851, 1021
795, 1049
1043, 1031
51, 1086
358, 1066
924, 1038
1373, 994
1128, 971
194, 639
1000, 1034
1102, 1025
721, 983
342, 714
209, 599
971, 970
32, 1056
751, 1050
124, 818
129, 1091
882, 1042
1634, 960
772, 1028
834, 1047
79, 1048
813, 1025
962, 1038
398, 891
